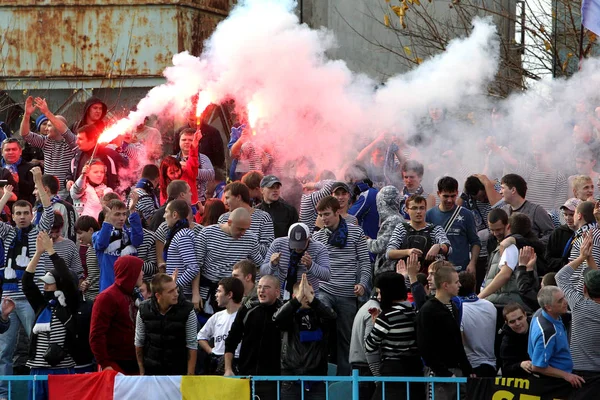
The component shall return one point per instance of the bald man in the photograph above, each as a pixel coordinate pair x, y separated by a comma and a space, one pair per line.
218, 248
260, 353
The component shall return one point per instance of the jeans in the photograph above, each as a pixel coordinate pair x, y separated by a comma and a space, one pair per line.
345, 308
407, 366
41, 387
22, 315
312, 391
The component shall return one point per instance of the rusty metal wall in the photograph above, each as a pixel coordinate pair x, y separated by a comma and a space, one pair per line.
106, 41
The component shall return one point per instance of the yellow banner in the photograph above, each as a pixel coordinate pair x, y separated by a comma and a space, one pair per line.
214, 388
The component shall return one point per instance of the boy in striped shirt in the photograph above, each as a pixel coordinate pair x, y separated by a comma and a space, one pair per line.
350, 269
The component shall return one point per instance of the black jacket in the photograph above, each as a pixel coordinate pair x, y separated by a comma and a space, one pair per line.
513, 351
439, 339
67, 284
157, 218
304, 347
254, 327
165, 350
113, 161
282, 214
529, 285
25, 187
556, 246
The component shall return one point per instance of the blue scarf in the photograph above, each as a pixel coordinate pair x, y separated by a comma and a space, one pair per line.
472, 298
42, 324
292, 272
13, 168
405, 195
148, 187
339, 237
179, 225
40, 209
15, 264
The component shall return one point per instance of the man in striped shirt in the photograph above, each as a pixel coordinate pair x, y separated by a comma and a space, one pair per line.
581, 286
237, 196
350, 270
290, 257
309, 201
66, 249
585, 222
179, 246
19, 246
58, 142
145, 188
218, 248
426, 240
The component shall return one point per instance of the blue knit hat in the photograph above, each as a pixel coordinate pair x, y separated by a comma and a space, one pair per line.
39, 121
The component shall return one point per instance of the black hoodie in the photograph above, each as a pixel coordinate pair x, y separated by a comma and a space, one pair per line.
513, 351
556, 246
100, 124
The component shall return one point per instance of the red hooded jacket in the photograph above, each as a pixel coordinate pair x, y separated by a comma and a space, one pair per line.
112, 330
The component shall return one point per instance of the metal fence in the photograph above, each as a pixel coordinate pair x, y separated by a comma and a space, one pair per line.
331, 393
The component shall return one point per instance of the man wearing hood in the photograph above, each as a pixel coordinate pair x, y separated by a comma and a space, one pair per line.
53, 336
94, 112
112, 332
388, 207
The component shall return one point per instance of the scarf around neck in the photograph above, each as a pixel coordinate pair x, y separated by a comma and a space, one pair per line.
13, 168
179, 225
148, 187
292, 272
339, 237
17, 258
43, 322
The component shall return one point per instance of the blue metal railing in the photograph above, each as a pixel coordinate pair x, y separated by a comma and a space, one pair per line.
354, 379
22, 378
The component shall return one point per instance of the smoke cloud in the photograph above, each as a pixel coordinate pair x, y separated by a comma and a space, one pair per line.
309, 105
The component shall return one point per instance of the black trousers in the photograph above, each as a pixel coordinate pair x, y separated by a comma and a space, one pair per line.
408, 366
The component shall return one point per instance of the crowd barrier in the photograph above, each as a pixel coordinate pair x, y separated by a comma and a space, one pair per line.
108, 385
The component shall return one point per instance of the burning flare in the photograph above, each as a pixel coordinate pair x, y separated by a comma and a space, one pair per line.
204, 100
253, 115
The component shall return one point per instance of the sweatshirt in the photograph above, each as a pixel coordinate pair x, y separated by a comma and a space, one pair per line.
112, 331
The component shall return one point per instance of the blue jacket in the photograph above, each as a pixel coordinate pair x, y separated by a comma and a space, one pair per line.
365, 210
107, 252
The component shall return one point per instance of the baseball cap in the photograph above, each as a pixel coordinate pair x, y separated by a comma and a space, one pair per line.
571, 204
269, 181
340, 185
298, 234
48, 278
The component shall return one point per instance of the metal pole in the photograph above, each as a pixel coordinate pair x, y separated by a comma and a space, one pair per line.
354, 384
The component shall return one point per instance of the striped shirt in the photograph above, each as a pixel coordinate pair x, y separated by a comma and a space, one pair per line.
546, 188
206, 173
191, 328
69, 252
308, 204
349, 265
93, 276
163, 229
218, 251
393, 336
57, 153
578, 241
145, 205
586, 320
147, 252
319, 271
250, 159
181, 256
57, 335
8, 233
399, 235
261, 225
